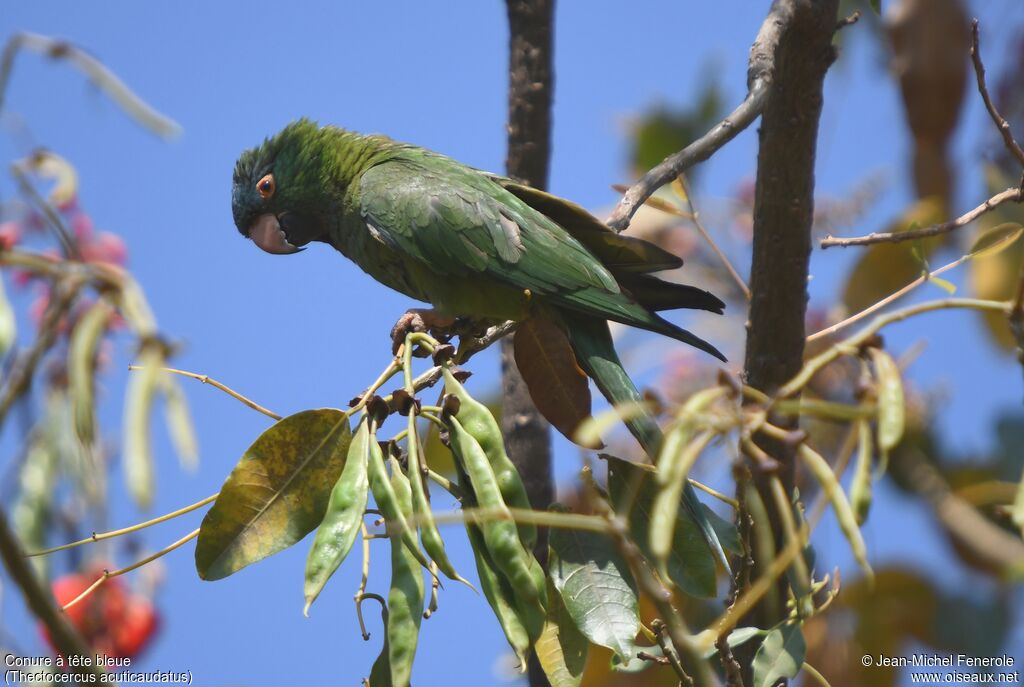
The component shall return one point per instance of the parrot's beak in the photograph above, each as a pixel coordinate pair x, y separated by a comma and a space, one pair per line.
266, 232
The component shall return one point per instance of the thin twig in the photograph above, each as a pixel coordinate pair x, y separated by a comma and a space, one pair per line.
891, 298
364, 578
695, 217
568, 521
851, 344
698, 151
997, 119
848, 21
661, 635
1014, 193
126, 530
134, 566
206, 379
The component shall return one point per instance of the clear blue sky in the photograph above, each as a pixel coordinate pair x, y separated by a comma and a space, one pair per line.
310, 331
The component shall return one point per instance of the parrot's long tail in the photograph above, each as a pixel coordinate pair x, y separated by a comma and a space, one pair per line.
592, 342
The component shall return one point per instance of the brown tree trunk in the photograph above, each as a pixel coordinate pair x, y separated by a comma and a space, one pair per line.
794, 50
531, 79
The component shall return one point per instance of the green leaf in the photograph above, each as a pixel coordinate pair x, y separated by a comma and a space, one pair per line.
276, 494
876, 5
596, 588
561, 648
343, 519
690, 563
727, 533
780, 655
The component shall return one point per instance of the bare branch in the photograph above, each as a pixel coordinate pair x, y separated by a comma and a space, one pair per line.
1015, 194
698, 151
997, 119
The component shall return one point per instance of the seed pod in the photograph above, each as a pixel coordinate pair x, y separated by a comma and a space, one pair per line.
85, 340
500, 597
429, 533
860, 487
500, 534
669, 498
480, 424
406, 596
890, 400
138, 402
822, 472
343, 518
384, 495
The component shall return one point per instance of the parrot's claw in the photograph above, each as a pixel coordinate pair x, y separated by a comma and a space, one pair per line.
420, 320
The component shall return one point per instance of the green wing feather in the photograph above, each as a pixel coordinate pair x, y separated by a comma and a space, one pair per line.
461, 223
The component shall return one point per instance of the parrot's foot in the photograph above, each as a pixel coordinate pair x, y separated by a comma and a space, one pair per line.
420, 320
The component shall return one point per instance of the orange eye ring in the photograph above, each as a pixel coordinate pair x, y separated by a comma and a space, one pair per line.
266, 186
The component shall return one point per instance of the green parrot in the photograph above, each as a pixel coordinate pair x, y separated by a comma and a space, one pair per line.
472, 244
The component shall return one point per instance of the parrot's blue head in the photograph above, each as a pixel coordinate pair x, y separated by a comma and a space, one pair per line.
274, 190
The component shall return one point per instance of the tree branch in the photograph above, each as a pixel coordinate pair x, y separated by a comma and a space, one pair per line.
794, 48
698, 151
997, 119
1015, 194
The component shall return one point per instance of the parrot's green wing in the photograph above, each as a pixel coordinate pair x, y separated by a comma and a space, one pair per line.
620, 254
461, 223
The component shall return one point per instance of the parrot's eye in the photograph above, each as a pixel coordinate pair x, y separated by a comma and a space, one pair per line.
266, 186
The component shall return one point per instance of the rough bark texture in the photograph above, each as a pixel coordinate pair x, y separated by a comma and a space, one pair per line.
531, 80
795, 49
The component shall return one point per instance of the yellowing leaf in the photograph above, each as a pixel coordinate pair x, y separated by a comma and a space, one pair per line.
276, 494
561, 648
996, 240
947, 286
886, 267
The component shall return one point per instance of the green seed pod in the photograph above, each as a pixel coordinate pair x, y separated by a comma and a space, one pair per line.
480, 424
860, 487
501, 598
500, 533
343, 518
890, 400
85, 340
429, 534
406, 596
384, 495
822, 472
669, 498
